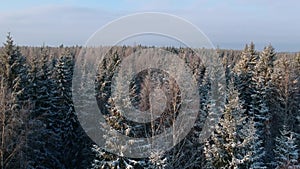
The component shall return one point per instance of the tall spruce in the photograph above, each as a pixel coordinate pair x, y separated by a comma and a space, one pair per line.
244, 70
14, 71
43, 142
63, 112
229, 146
13, 76
262, 99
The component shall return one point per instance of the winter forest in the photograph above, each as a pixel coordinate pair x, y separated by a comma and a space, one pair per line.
259, 126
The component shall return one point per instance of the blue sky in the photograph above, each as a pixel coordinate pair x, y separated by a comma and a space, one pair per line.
228, 24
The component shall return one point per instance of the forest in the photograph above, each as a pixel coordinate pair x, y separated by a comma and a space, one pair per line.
259, 126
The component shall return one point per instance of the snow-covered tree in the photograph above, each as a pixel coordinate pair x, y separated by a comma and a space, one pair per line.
14, 71
286, 151
63, 116
257, 150
261, 99
261, 118
13, 131
229, 145
244, 70
13, 83
44, 144
286, 101
9, 57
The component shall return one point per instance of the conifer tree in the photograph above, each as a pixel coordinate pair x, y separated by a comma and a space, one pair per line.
286, 83
286, 151
43, 142
229, 146
261, 97
13, 118
258, 151
244, 75
14, 71
63, 115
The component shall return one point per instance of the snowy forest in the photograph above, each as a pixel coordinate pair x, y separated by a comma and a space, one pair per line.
259, 126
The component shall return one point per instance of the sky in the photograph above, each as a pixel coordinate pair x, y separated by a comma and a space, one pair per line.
228, 24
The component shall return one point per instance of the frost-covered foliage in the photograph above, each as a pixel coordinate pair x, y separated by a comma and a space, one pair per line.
39, 127
286, 150
229, 145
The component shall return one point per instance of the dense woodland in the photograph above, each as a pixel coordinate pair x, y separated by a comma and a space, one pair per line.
259, 126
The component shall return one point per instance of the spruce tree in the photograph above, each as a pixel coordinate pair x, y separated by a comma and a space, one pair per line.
258, 151
229, 146
63, 116
244, 72
14, 71
43, 142
261, 97
286, 151
13, 85
286, 82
